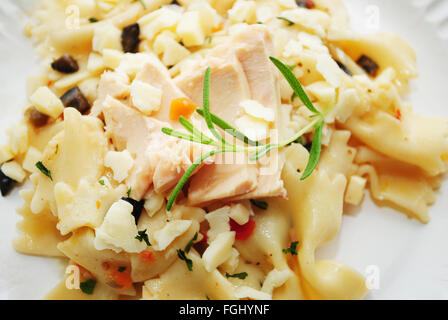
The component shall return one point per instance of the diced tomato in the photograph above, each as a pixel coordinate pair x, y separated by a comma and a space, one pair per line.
204, 236
310, 4
181, 107
398, 114
243, 232
147, 256
121, 280
86, 274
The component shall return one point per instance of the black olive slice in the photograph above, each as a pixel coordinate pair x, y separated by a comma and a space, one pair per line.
344, 68
309, 4
75, 99
130, 38
36, 118
369, 65
6, 184
65, 64
137, 205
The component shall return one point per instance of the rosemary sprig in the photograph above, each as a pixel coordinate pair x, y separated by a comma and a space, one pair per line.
256, 149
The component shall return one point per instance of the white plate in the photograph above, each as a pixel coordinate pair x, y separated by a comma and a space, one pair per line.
412, 258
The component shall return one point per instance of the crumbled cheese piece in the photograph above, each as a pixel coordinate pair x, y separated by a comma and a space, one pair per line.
120, 163
95, 63
132, 63
153, 203
231, 264
251, 293
5, 153
89, 88
45, 101
348, 101
355, 190
172, 51
169, 232
219, 250
106, 36
112, 58
218, 221
255, 129
32, 157
210, 19
257, 110
243, 11
239, 213
311, 42
14, 171
145, 97
329, 69
153, 23
323, 91
118, 230
275, 279
264, 14
290, 4
190, 29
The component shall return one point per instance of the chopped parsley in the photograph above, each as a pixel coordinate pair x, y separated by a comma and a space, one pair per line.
208, 298
88, 286
182, 256
121, 269
44, 169
190, 243
241, 275
93, 20
129, 192
142, 236
292, 248
290, 23
101, 182
263, 205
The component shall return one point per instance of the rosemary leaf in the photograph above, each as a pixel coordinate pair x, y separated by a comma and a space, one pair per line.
316, 148
230, 130
186, 176
44, 169
198, 134
294, 83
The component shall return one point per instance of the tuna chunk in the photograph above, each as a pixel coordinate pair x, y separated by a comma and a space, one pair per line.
160, 160
157, 75
240, 70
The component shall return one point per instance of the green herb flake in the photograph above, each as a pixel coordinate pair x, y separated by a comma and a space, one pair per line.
121, 269
142, 236
241, 275
101, 182
129, 192
290, 23
88, 286
44, 169
263, 205
93, 20
292, 248
190, 243
182, 256
207, 297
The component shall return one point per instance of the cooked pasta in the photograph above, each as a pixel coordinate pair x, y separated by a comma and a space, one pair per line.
118, 191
